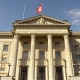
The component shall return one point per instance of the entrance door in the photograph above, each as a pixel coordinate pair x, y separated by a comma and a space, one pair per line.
41, 73
23, 73
59, 75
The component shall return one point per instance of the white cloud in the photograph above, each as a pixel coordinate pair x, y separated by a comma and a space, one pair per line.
74, 14
77, 22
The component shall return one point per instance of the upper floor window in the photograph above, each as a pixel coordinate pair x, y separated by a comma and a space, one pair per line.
25, 44
25, 54
58, 54
57, 44
78, 57
41, 44
41, 54
5, 48
4, 58
77, 48
2, 68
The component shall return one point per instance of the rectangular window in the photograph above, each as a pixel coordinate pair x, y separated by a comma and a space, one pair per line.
77, 48
24, 73
58, 54
2, 68
57, 44
5, 48
41, 54
41, 73
25, 44
4, 58
25, 54
78, 57
41, 44
79, 67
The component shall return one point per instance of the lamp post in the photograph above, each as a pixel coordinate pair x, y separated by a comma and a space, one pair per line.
9, 69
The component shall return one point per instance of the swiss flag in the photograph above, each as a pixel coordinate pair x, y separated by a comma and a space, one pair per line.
39, 9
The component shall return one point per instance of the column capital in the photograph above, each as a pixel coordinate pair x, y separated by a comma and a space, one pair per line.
49, 36
16, 36
66, 36
33, 36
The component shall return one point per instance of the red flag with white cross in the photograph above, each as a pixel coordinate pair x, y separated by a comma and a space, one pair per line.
39, 9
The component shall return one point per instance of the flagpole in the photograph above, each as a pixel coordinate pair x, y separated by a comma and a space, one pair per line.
23, 12
42, 8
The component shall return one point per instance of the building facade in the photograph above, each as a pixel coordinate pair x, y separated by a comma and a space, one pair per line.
40, 48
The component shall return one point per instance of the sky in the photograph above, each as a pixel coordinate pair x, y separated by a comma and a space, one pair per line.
11, 10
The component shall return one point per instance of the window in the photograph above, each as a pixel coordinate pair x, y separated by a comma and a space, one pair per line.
79, 67
41, 73
77, 48
41, 54
41, 44
58, 54
2, 68
78, 57
25, 54
4, 58
57, 44
25, 44
5, 48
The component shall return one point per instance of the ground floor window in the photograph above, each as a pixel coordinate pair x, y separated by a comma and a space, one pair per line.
41, 73
59, 75
24, 73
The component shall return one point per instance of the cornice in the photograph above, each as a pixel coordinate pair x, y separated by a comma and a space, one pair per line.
6, 34
37, 25
75, 34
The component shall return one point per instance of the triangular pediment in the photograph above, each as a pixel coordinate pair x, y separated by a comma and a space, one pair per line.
41, 19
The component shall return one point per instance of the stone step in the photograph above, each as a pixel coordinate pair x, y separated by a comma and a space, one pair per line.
75, 78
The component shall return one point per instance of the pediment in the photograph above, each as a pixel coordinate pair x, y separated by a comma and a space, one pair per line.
41, 19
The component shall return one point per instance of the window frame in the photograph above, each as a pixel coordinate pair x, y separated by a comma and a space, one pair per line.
25, 45
77, 48
41, 44
77, 57
24, 53
57, 44
41, 54
5, 47
58, 54
2, 68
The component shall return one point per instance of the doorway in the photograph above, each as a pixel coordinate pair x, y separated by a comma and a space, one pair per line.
41, 73
59, 74
23, 73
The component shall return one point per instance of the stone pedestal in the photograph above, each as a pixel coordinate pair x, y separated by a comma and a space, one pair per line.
6, 78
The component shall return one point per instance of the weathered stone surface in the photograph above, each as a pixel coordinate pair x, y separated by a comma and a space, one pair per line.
6, 78
75, 78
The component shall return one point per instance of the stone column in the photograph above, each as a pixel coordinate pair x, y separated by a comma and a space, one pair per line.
46, 72
1, 50
18, 72
64, 72
36, 72
32, 58
68, 56
13, 55
50, 57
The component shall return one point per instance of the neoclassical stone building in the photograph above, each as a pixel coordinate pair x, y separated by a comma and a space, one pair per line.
40, 48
